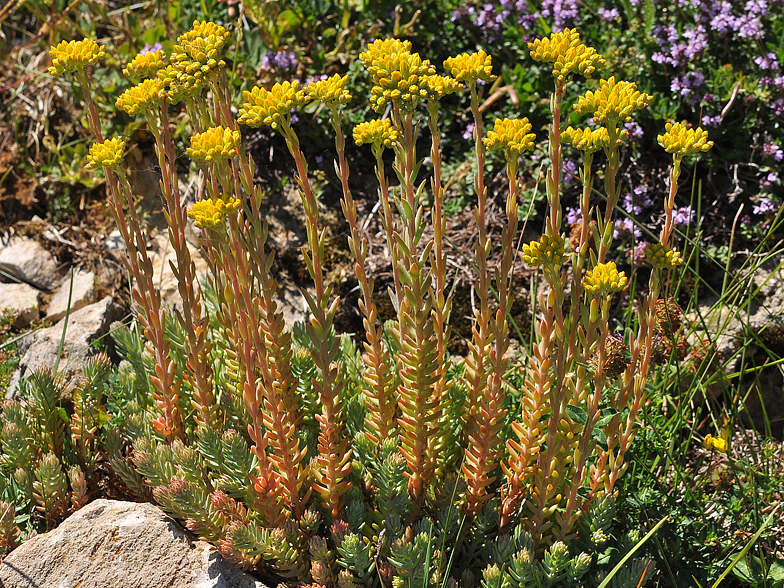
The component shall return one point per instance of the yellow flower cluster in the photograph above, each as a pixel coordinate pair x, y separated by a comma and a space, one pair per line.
195, 56
107, 154
397, 73
70, 56
682, 141
567, 55
214, 143
210, 213
549, 251
331, 91
715, 443
438, 86
271, 107
145, 65
142, 97
612, 102
376, 132
511, 135
589, 140
604, 278
470, 67
662, 257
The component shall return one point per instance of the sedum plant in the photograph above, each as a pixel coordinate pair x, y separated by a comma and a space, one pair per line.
398, 465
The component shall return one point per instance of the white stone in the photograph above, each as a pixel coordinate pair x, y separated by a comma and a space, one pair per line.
21, 298
28, 262
82, 294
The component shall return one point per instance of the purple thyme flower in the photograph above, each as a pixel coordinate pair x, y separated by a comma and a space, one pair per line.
279, 60
767, 62
764, 206
750, 27
769, 180
573, 215
563, 12
568, 171
683, 216
773, 150
724, 21
469, 131
634, 130
608, 14
711, 121
625, 227
637, 255
151, 48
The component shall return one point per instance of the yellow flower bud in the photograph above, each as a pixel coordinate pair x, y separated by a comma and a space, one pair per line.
589, 140
715, 443
141, 98
271, 107
214, 143
682, 141
376, 132
438, 86
547, 252
194, 58
331, 91
613, 102
567, 55
210, 213
604, 278
71, 56
511, 135
107, 154
470, 67
145, 65
661, 257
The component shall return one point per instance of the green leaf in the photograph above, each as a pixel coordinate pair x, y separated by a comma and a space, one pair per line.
577, 414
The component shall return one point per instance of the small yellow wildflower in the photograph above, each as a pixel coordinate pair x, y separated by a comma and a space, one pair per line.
715, 443
141, 98
549, 251
397, 73
612, 102
214, 143
376, 132
70, 56
567, 55
511, 135
107, 154
331, 91
589, 140
438, 86
271, 107
145, 65
210, 213
195, 56
662, 257
468, 68
682, 141
604, 278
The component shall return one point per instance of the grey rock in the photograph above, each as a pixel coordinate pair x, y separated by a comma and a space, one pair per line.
21, 298
122, 545
82, 294
162, 257
27, 261
114, 241
40, 347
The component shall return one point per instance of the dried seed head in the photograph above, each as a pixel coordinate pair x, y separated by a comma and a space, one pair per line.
668, 316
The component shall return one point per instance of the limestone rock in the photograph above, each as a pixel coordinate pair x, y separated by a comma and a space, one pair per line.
122, 545
40, 347
21, 298
27, 261
82, 294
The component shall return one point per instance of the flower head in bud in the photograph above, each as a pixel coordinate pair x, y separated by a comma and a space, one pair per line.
662, 257
512, 135
214, 143
548, 251
567, 55
107, 154
682, 141
470, 67
271, 107
715, 443
668, 316
612, 102
331, 91
376, 132
210, 213
589, 140
145, 65
71, 56
438, 86
141, 98
604, 278
398, 75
